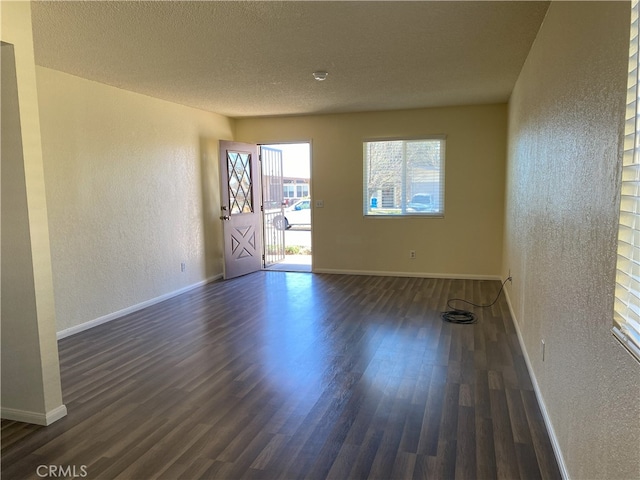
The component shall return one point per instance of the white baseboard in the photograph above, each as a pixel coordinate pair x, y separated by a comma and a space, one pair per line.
36, 418
134, 308
543, 408
457, 276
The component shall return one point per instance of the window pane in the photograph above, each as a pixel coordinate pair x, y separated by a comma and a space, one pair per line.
240, 187
423, 176
404, 177
289, 191
384, 174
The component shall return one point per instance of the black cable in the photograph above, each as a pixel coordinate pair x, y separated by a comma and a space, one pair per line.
465, 317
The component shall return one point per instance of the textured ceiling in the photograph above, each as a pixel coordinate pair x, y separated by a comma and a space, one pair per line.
256, 58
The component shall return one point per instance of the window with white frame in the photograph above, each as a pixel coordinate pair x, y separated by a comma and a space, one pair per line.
288, 191
627, 292
404, 177
302, 190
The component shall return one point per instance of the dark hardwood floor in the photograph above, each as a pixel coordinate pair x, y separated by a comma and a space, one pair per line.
294, 375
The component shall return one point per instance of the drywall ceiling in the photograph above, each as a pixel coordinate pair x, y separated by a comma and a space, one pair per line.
256, 58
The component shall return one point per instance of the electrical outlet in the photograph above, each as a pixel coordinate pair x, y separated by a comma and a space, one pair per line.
412, 254
542, 349
183, 267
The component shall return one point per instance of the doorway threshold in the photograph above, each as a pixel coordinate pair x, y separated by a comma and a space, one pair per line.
292, 263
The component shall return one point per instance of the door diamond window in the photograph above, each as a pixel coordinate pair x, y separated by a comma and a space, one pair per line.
240, 184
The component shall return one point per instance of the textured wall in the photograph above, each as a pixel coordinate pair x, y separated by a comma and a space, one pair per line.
132, 189
466, 242
565, 123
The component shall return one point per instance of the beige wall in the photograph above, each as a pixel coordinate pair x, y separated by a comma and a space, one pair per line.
133, 192
30, 371
466, 243
565, 124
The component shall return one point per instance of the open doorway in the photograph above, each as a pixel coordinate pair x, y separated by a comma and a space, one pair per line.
286, 181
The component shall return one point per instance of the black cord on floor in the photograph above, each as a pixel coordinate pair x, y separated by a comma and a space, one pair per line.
465, 317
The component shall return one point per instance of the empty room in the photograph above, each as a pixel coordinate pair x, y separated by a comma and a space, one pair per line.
471, 201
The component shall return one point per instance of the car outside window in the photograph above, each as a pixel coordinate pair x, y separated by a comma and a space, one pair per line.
404, 177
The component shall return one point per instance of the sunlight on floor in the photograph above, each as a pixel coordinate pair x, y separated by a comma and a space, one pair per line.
293, 263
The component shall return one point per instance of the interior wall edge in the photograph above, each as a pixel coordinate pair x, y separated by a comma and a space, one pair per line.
33, 336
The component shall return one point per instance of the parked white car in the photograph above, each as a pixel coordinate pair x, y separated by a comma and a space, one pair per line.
297, 214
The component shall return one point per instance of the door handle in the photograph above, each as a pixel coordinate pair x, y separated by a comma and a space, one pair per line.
224, 217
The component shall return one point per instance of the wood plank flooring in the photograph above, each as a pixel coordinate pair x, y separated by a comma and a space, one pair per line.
294, 376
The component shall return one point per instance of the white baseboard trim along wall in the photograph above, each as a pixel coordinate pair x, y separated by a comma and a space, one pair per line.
134, 308
34, 417
543, 408
374, 273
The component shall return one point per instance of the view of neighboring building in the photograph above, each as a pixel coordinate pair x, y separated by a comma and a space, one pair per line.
294, 189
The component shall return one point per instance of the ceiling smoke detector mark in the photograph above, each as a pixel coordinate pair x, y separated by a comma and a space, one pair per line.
320, 75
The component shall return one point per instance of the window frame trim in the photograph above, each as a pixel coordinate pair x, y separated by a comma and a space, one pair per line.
436, 215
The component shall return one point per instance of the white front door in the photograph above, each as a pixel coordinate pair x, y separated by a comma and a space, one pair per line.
240, 204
